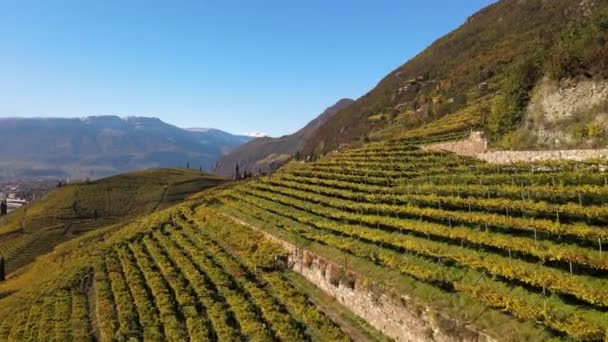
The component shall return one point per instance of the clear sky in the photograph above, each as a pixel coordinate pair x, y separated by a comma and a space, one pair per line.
241, 66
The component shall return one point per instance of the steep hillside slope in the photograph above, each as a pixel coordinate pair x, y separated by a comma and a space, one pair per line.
94, 147
480, 75
514, 252
176, 275
422, 245
268, 153
74, 209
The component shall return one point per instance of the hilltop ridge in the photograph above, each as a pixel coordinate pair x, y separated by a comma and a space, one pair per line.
75, 209
266, 154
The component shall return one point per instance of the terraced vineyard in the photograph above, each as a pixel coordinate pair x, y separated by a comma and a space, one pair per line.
525, 242
176, 276
75, 209
515, 252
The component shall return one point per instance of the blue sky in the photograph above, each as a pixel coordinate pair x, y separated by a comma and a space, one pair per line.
241, 66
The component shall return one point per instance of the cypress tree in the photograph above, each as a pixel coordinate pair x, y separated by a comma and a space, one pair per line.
2, 270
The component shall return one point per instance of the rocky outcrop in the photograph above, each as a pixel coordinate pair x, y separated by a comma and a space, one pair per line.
568, 114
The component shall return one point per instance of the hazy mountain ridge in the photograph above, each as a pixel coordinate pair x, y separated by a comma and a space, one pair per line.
267, 153
102, 145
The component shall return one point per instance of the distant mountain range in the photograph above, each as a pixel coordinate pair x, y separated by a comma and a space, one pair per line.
267, 153
97, 146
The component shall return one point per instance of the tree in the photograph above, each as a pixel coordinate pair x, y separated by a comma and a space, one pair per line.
3, 208
237, 174
2, 269
508, 107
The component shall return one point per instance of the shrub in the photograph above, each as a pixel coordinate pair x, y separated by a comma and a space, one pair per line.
508, 106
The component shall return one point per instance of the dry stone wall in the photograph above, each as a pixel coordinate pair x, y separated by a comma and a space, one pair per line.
476, 146
507, 157
398, 318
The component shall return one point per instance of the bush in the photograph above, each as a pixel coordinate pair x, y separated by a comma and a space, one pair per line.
585, 131
581, 49
508, 106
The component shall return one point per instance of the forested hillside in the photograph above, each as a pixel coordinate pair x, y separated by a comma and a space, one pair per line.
483, 75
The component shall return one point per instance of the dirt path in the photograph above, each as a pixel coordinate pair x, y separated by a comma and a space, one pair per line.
163, 197
91, 301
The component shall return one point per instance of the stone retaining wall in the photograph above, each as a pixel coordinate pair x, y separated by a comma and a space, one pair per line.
476, 146
507, 157
398, 318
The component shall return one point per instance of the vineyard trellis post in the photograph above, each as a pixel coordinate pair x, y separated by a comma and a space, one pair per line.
2, 269
345, 264
301, 256
544, 299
